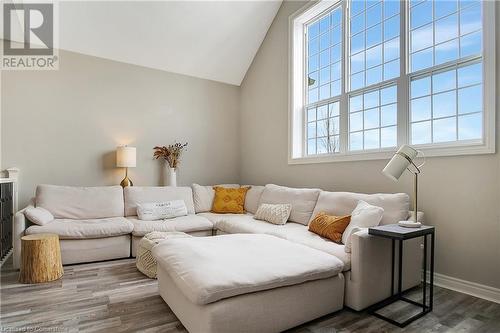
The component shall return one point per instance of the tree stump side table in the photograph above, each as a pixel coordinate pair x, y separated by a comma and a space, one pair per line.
40, 258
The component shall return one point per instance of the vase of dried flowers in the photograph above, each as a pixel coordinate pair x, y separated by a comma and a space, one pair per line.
172, 155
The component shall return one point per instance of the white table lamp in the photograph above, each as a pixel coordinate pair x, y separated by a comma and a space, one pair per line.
126, 158
400, 162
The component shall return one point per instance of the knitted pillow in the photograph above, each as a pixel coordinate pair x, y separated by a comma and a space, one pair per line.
274, 213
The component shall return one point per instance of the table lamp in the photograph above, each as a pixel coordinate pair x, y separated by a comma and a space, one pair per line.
400, 162
125, 158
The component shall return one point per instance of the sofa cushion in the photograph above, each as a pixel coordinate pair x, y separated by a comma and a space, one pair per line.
242, 224
189, 223
395, 206
144, 194
73, 202
84, 229
295, 232
203, 196
301, 235
207, 269
302, 200
253, 197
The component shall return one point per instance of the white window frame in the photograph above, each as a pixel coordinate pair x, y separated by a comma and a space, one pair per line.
296, 102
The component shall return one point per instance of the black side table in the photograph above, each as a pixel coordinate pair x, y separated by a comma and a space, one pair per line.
395, 232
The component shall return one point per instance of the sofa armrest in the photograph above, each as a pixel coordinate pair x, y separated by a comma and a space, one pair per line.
370, 260
20, 223
369, 280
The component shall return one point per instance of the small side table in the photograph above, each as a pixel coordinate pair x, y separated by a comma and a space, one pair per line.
398, 233
40, 258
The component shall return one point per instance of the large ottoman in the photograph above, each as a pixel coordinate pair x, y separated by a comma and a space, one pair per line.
247, 282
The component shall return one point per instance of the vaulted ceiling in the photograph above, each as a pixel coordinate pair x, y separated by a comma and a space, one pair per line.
214, 40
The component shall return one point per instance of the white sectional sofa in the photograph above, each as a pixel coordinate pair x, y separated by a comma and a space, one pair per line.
90, 222
100, 223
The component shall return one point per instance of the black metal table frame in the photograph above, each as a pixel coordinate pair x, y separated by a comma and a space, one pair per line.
399, 295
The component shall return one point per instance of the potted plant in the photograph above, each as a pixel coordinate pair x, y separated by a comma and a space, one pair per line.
172, 155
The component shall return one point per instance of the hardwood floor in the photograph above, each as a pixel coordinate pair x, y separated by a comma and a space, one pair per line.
114, 297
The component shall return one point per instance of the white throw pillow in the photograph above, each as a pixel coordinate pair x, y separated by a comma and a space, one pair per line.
38, 215
363, 216
273, 213
152, 211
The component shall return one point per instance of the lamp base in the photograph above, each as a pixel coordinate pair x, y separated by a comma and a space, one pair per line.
126, 182
409, 224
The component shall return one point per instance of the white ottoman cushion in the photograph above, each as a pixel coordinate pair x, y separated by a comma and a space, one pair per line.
145, 262
208, 269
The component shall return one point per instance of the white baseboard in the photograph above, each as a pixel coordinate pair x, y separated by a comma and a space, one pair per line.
467, 287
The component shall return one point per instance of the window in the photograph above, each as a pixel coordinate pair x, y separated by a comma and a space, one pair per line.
374, 42
368, 76
323, 129
446, 106
324, 83
373, 119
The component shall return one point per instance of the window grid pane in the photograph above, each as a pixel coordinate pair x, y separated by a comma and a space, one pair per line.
373, 119
323, 124
374, 42
446, 106
324, 56
443, 31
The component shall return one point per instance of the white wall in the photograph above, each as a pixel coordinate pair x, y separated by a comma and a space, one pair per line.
460, 195
62, 127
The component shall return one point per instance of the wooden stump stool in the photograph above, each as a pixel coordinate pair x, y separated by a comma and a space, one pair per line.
40, 258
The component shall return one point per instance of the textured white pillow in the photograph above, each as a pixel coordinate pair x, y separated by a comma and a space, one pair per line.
38, 215
152, 211
363, 216
274, 213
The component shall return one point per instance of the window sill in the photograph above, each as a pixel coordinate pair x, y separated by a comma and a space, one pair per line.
435, 151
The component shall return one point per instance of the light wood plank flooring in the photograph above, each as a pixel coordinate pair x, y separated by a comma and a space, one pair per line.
114, 297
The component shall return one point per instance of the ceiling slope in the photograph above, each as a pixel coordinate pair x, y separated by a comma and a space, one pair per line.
214, 40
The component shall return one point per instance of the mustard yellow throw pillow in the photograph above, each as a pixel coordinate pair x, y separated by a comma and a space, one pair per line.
330, 226
229, 200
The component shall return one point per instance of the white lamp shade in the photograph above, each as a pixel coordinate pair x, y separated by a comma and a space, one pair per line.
125, 157
399, 162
